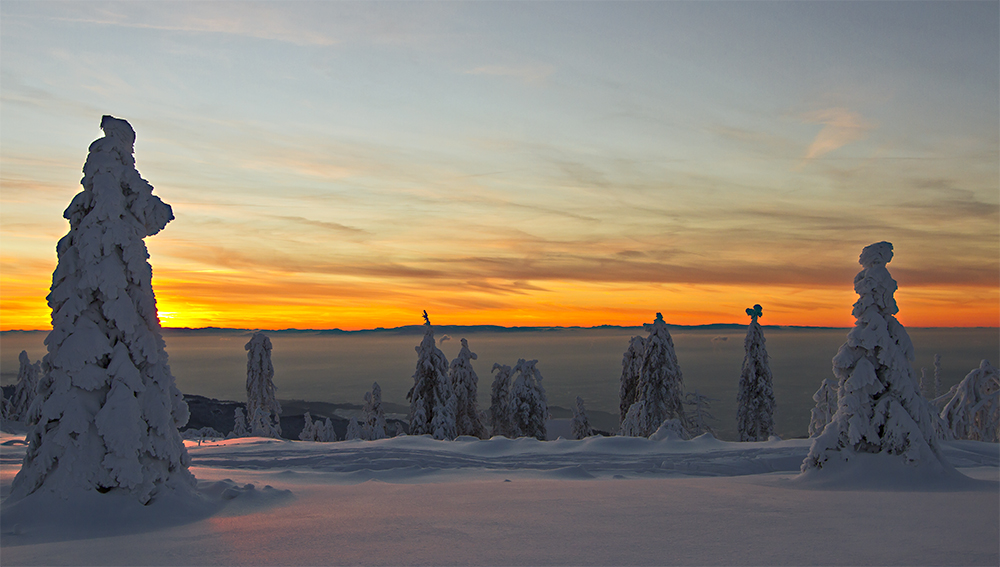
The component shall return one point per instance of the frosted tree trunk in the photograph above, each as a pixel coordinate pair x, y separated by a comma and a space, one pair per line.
108, 410
879, 409
755, 411
262, 402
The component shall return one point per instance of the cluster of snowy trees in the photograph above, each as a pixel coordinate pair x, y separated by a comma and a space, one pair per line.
443, 399
651, 389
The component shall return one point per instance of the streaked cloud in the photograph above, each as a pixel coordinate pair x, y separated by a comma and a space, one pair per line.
840, 127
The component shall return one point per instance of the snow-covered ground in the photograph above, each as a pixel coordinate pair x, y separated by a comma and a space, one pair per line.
604, 501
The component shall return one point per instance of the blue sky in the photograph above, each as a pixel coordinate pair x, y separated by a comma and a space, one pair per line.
517, 162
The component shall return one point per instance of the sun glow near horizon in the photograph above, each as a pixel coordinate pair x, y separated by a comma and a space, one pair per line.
360, 164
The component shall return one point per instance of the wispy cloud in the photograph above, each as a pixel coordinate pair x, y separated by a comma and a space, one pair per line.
840, 127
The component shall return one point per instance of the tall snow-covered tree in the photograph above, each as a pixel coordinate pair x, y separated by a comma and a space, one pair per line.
581, 425
660, 386
501, 409
432, 401
530, 407
699, 415
826, 405
25, 388
107, 408
879, 410
631, 369
324, 431
374, 416
240, 427
755, 411
465, 384
974, 411
263, 408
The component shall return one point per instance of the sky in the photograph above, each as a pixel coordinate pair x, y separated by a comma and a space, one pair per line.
348, 165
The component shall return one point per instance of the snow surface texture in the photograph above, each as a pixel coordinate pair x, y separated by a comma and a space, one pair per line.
107, 408
974, 412
755, 412
263, 408
879, 407
600, 501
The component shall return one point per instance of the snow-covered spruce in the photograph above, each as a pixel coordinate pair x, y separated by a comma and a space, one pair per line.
325, 432
107, 408
937, 375
699, 416
501, 410
308, 432
581, 425
432, 402
974, 411
263, 408
240, 428
658, 392
826, 405
374, 416
755, 401
465, 384
24, 389
631, 369
353, 430
879, 410
528, 402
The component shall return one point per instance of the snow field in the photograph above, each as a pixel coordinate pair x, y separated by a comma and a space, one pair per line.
599, 501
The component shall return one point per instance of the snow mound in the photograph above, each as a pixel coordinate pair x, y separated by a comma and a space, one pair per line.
888, 473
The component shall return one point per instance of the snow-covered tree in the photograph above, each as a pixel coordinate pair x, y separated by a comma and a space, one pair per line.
878, 407
24, 390
374, 424
631, 369
465, 384
660, 385
755, 412
581, 425
324, 431
528, 401
501, 410
353, 430
262, 404
107, 408
937, 375
699, 416
240, 427
432, 401
308, 432
826, 405
974, 411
